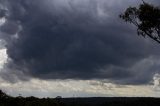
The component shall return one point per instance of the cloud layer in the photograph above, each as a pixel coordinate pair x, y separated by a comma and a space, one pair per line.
75, 39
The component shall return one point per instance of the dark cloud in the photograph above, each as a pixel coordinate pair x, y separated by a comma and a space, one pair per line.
73, 41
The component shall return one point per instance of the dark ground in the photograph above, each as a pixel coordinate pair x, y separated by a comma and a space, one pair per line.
6, 100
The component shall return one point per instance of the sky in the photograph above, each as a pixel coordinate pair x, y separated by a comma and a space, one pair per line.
75, 48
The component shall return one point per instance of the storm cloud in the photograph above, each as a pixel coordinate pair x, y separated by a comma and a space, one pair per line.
75, 39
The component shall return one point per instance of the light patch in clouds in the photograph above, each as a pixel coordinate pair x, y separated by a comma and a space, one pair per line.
156, 79
3, 57
2, 21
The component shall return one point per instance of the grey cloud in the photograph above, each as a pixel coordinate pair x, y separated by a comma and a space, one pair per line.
71, 41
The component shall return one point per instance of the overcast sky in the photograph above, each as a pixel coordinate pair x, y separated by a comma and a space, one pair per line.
75, 48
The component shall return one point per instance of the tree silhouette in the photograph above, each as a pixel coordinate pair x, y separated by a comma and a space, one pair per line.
3, 95
146, 18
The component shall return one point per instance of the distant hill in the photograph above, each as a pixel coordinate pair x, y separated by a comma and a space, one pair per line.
6, 100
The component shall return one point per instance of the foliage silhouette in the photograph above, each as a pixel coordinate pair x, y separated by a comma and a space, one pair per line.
146, 18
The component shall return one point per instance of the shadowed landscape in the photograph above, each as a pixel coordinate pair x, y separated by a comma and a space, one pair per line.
6, 100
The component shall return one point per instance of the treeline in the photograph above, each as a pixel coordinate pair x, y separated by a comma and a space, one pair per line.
6, 100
